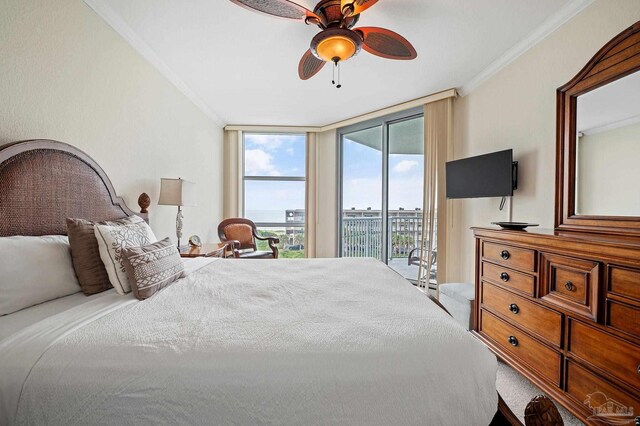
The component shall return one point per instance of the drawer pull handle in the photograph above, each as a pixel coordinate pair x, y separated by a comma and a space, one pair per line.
513, 340
505, 254
514, 308
504, 277
569, 286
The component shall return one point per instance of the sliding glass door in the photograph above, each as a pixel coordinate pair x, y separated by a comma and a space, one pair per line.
382, 175
405, 183
362, 177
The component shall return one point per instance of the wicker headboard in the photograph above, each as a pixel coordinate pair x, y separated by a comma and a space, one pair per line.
42, 182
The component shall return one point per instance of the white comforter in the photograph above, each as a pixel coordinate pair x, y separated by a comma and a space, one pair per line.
336, 341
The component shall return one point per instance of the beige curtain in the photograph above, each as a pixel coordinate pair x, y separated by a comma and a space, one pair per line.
232, 174
311, 199
438, 125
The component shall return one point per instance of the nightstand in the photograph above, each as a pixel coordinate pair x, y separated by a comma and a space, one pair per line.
208, 250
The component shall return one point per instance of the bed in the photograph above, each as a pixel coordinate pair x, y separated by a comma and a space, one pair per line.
316, 341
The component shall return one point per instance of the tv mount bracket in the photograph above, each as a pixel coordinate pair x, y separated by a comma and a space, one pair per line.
514, 183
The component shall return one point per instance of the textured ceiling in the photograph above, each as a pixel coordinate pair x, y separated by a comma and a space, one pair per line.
243, 65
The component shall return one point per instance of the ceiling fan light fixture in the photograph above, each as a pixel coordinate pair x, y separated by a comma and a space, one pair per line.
336, 44
336, 48
338, 40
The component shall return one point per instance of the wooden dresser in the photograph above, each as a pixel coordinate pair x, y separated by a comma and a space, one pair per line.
564, 310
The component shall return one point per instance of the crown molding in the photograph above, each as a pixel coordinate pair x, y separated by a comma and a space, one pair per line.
121, 27
611, 126
536, 36
434, 97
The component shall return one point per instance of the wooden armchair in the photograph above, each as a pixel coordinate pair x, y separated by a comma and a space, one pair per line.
243, 233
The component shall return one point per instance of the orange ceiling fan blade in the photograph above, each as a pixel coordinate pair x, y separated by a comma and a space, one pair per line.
309, 65
359, 6
386, 43
280, 8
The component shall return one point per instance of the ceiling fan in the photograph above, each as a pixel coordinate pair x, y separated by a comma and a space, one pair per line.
338, 40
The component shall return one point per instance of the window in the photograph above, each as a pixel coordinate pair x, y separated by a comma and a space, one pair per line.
382, 173
274, 188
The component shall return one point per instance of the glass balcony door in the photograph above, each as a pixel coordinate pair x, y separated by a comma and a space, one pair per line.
405, 193
362, 177
382, 175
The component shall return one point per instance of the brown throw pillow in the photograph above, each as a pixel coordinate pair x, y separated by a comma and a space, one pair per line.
85, 255
151, 268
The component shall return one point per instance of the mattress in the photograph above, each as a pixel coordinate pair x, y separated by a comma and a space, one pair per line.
322, 341
10, 324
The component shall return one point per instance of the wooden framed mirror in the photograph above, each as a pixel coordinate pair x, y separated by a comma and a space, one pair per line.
598, 142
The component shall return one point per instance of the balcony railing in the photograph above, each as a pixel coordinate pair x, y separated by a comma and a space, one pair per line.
362, 236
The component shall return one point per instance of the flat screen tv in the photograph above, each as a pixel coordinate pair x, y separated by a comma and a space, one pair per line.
489, 175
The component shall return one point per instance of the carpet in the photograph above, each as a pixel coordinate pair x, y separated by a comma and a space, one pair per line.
517, 391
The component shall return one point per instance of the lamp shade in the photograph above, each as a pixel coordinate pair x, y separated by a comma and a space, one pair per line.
177, 192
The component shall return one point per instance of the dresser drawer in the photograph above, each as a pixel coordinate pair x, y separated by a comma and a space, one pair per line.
518, 281
570, 283
614, 355
527, 349
623, 317
599, 394
512, 257
624, 282
540, 321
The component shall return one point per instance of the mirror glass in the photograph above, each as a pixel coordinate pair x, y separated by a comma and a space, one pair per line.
608, 149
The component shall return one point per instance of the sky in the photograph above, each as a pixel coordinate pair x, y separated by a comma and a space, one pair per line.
362, 175
273, 155
284, 155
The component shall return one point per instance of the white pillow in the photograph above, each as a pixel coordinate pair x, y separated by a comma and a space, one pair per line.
34, 270
112, 239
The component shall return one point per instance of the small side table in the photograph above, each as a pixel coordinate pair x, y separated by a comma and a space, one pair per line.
207, 250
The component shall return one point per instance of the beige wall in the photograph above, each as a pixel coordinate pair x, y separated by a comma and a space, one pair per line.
327, 207
516, 109
608, 172
66, 75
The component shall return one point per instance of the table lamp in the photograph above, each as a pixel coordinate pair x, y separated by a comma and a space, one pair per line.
177, 192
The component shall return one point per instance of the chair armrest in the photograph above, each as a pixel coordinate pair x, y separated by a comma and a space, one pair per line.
274, 239
272, 244
411, 259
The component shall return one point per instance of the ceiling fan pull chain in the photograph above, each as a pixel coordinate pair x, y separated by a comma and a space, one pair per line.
333, 69
336, 67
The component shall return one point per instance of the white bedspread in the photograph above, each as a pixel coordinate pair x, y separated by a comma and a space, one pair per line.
335, 341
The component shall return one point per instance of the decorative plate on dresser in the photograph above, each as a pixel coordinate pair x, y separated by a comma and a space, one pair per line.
562, 306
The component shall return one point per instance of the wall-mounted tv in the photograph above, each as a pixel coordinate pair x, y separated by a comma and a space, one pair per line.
488, 175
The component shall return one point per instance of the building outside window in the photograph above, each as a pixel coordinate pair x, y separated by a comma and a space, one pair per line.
274, 188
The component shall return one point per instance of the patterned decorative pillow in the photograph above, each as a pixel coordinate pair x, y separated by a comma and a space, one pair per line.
112, 240
151, 268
